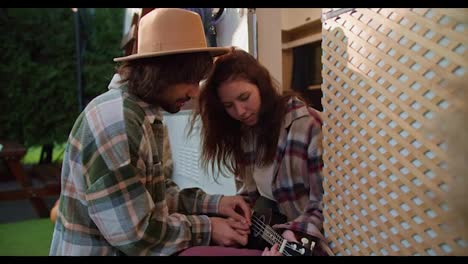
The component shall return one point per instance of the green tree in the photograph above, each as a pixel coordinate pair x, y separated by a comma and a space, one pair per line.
38, 93
104, 31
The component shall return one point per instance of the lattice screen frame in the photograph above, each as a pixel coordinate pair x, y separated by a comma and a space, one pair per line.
384, 79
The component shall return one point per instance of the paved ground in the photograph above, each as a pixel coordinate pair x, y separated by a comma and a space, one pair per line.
14, 211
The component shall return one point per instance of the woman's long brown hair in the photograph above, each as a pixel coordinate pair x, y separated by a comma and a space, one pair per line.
222, 136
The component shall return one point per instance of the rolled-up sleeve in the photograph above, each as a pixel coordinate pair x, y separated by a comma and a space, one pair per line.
130, 220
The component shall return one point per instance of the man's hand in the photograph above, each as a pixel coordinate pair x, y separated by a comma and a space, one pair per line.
228, 232
236, 208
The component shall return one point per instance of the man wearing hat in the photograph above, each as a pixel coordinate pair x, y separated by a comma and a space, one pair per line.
114, 197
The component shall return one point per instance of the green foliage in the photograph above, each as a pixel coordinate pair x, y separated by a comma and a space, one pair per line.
38, 93
104, 38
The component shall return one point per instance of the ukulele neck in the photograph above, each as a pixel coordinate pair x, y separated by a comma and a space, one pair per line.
270, 235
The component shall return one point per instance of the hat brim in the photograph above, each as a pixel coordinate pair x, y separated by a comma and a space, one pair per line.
214, 51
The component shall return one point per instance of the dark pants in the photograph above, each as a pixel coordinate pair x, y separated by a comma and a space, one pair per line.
219, 251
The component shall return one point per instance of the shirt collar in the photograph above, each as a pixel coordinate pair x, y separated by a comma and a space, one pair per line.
152, 112
295, 108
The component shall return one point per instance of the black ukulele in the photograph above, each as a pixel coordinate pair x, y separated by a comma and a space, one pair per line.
263, 235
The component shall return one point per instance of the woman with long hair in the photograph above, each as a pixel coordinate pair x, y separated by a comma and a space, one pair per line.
272, 143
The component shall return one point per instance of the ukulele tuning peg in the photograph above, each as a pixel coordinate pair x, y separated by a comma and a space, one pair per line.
304, 241
312, 245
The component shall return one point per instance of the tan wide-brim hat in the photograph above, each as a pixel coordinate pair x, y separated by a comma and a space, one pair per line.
166, 31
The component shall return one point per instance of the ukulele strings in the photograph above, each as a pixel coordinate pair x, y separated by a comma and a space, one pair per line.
259, 225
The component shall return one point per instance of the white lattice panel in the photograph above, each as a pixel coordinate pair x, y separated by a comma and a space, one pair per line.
385, 75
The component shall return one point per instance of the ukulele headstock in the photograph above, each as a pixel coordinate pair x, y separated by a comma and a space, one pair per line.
295, 249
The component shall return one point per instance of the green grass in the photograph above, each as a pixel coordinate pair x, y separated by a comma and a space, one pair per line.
34, 154
26, 238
